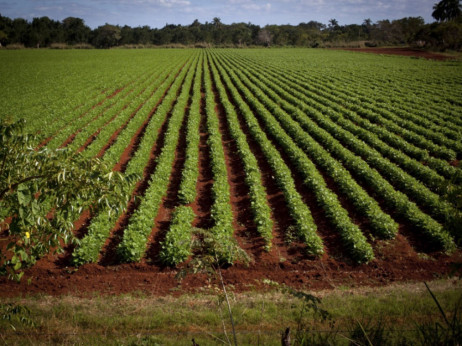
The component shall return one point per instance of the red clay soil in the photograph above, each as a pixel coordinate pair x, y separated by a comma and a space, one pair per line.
245, 229
395, 260
280, 214
109, 256
203, 202
71, 138
403, 51
170, 201
136, 139
114, 136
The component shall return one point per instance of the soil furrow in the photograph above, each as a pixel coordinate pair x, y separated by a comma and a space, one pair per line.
170, 201
141, 186
203, 203
71, 137
244, 226
332, 240
135, 142
97, 132
109, 255
281, 216
48, 139
114, 136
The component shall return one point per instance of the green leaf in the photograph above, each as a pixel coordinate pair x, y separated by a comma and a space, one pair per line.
24, 195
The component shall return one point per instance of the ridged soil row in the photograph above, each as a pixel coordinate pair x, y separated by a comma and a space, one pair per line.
82, 223
98, 104
113, 137
285, 242
109, 254
203, 202
244, 226
143, 149
416, 191
170, 201
334, 245
104, 108
135, 142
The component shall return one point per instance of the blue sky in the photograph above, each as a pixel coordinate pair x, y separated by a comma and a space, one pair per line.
157, 13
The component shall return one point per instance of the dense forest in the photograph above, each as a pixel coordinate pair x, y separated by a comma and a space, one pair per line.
444, 33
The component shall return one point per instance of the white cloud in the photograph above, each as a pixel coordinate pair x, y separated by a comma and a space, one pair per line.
255, 7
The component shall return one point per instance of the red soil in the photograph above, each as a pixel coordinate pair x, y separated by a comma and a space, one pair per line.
403, 51
203, 203
170, 201
136, 139
71, 138
406, 258
395, 261
114, 136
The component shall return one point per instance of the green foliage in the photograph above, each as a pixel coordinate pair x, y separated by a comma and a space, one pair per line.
176, 247
16, 315
447, 10
43, 192
259, 205
352, 236
336, 139
221, 211
190, 173
301, 214
208, 248
134, 242
101, 225
107, 36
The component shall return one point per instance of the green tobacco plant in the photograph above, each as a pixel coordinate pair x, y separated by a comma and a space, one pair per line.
176, 247
42, 192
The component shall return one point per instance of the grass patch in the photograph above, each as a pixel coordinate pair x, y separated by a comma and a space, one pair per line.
394, 313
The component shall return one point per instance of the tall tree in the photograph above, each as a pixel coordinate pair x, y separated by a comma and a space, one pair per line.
75, 30
107, 36
447, 10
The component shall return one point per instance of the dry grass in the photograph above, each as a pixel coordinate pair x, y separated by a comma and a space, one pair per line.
258, 315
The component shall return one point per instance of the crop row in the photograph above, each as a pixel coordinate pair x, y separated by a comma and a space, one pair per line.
376, 115
221, 212
176, 246
136, 235
436, 121
101, 127
351, 122
438, 207
101, 225
325, 99
362, 171
257, 193
381, 223
300, 213
352, 236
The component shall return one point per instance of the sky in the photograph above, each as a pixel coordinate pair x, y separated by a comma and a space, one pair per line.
158, 13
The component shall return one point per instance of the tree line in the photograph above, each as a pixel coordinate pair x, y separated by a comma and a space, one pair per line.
444, 33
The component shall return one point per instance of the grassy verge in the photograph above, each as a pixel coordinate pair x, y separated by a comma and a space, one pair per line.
387, 315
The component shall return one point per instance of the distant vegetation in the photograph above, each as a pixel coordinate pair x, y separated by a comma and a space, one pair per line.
444, 34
